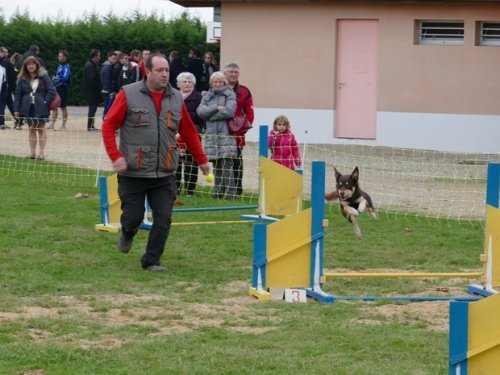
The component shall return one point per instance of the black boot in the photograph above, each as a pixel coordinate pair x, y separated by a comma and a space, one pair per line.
90, 125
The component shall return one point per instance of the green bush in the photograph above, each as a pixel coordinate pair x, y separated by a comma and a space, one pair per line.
107, 33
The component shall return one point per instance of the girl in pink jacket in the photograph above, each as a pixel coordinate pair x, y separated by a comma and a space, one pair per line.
282, 143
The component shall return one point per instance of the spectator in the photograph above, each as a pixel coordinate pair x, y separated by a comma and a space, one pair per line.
130, 72
107, 82
7, 86
62, 81
34, 92
136, 58
14, 60
195, 66
149, 174
117, 71
176, 67
208, 69
187, 163
34, 50
283, 145
145, 55
217, 106
244, 106
91, 87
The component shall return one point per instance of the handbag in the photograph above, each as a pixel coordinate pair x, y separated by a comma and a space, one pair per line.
55, 102
239, 124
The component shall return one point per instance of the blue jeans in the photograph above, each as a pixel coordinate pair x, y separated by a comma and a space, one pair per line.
161, 194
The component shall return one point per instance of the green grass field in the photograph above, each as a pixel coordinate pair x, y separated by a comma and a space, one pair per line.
71, 303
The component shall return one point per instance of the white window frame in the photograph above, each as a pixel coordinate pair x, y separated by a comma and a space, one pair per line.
441, 32
489, 33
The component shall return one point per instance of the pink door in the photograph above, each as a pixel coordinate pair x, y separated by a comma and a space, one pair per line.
356, 86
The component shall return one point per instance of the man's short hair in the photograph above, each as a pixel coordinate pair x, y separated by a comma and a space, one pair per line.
149, 61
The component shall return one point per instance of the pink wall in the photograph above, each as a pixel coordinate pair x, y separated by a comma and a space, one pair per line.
287, 56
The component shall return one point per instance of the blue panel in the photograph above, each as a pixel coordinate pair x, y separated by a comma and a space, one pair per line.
259, 253
318, 210
493, 185
103, 197
459, 337
263, 130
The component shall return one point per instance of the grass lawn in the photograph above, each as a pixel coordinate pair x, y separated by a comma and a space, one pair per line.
71, 303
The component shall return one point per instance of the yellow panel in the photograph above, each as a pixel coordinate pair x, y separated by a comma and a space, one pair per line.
484, 334
289, 252
115, 209
493, 230
281, 188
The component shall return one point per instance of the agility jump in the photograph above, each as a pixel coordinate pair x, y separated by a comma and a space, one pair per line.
282, 264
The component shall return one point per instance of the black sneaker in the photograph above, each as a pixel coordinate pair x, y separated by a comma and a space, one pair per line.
155, 268
123, 244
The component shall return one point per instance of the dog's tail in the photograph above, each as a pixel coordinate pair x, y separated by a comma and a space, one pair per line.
334, 195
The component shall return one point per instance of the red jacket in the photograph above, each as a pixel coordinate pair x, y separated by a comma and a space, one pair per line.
284, 149
244, 104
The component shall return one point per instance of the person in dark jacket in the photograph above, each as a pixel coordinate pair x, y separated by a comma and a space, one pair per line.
187, 163
34, 50
7, 85
34, 92
147, 156
176, 67
195, 66
108, 81
91, 87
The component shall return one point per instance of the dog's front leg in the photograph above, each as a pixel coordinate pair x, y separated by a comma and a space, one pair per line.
357, 231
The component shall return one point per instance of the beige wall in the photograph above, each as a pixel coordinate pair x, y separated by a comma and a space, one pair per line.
287, 56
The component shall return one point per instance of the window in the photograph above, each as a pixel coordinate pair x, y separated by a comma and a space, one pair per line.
489, 34
440, 32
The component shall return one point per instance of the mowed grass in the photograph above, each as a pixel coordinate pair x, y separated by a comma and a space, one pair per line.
70, 303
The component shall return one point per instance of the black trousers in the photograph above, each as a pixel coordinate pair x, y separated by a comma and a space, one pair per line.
91, 115
161, 194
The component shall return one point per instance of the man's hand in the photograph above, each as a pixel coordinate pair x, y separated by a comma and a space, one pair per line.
119, 165
205, 168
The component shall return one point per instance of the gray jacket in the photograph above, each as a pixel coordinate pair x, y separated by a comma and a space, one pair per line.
147, 140
218, 142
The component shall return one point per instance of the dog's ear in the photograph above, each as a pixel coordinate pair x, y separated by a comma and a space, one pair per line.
337, 173
355, 174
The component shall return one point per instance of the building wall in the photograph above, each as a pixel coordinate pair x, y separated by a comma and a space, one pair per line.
287, 55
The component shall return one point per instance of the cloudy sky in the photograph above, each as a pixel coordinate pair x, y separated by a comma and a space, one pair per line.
73, 9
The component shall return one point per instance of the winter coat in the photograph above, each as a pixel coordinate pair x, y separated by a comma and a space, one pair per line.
44, 94
284, 149
91, 82
219, 143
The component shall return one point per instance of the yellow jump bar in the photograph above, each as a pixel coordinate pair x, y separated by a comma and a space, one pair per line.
402, 274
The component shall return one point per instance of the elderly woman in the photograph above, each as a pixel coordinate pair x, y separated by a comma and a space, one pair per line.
192, 98
33, 94
217, 107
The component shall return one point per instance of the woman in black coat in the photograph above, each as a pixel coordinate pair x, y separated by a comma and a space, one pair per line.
34, 92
